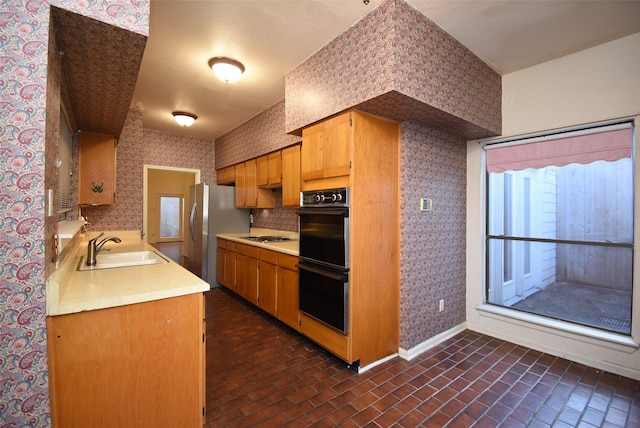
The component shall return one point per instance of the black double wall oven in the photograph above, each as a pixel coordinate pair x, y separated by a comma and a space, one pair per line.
323, 270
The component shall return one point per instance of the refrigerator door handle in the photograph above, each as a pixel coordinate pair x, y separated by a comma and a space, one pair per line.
192, 218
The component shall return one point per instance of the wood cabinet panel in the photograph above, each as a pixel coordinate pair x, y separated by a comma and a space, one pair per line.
326, 337
248, 194
291, 176
96, 168
287, 292
226, 176
326, 151
267, 281
128, 366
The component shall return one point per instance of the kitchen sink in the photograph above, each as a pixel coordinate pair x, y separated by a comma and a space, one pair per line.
120, 260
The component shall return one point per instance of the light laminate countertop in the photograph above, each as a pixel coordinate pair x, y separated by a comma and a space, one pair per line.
287, 247
71, 291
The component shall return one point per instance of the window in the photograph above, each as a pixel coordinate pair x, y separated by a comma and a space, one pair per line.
171, 215
560, 226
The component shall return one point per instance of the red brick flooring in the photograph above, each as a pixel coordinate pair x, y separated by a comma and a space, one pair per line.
261, 373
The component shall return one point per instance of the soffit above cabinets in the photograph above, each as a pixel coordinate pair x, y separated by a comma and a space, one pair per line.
100, 64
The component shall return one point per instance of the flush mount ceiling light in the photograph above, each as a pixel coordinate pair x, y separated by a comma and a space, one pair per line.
184, 119
226, 69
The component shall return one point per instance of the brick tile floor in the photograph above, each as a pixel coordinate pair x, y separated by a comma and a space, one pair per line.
261, 373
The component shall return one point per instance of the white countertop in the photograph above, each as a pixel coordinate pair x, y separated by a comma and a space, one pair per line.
70, 291
287, 247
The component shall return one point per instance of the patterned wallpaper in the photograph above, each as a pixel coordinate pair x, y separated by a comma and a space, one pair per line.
30, 80
262, 134
395, 51
433, 244
140, 146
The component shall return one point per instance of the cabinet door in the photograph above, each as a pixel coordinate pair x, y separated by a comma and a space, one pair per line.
267, 283
250, 195
112, 368
240, 185
288, 297
262, 175
241, 274
220, 261
251, 290
275, 168
226, 175
312, 152
230, 268
291, 176
337, 147
96, 168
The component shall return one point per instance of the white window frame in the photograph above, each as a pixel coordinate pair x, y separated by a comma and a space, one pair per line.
596, 348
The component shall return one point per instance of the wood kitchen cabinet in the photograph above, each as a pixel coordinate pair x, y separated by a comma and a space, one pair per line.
230, 265
96, 168
248, 195
370, 146
220, 260
326, 153
267, 281
129, 366
226, 176
269, 170
287, 291
291, 176
266, 278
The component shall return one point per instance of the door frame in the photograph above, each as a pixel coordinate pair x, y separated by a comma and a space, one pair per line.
145, 189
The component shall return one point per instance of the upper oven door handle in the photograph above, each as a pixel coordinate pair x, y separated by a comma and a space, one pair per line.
341, 211
329, 274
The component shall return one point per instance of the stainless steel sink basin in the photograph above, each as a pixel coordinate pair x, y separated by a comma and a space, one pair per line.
120, 260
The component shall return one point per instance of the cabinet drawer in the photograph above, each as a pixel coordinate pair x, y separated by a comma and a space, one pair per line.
232, 246
242, 249
222, 243
269, 256
287, 262
331, 340
253, 251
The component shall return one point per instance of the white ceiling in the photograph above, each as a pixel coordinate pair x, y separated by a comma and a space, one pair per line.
271, 37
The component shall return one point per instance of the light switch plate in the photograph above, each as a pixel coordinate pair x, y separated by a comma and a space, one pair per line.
426, 204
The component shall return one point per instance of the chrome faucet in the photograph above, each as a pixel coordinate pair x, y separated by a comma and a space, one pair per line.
93, 249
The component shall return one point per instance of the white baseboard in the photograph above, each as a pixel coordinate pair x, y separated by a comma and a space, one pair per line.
434, 341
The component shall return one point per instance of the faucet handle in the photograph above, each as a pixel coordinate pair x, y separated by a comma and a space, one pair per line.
96, 238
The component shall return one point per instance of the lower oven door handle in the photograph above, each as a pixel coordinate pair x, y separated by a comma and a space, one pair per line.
322, 272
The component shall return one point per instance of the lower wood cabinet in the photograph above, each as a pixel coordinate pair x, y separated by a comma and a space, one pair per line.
267, 281
129, 366
266, 278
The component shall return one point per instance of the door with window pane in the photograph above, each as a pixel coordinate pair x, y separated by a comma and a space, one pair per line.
171, 214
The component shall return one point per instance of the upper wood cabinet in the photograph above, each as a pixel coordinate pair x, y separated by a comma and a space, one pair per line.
248, 195
226, 176
291, 176
326, 150
269, 170
96, 168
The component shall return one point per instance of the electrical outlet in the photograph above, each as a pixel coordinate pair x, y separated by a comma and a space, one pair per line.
441, 305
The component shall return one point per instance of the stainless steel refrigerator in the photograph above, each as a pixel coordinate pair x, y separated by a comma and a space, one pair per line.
212, 211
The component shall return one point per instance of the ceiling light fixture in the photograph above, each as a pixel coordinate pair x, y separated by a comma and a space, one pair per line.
184, 119
226, 69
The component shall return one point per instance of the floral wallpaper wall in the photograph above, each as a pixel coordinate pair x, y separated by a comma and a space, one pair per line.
432, 254
260, 135
29, 81
398, 64
140, 146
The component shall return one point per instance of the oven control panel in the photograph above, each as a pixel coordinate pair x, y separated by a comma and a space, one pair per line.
325, 197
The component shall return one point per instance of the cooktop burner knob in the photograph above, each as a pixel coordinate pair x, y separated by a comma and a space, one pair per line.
336, 197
